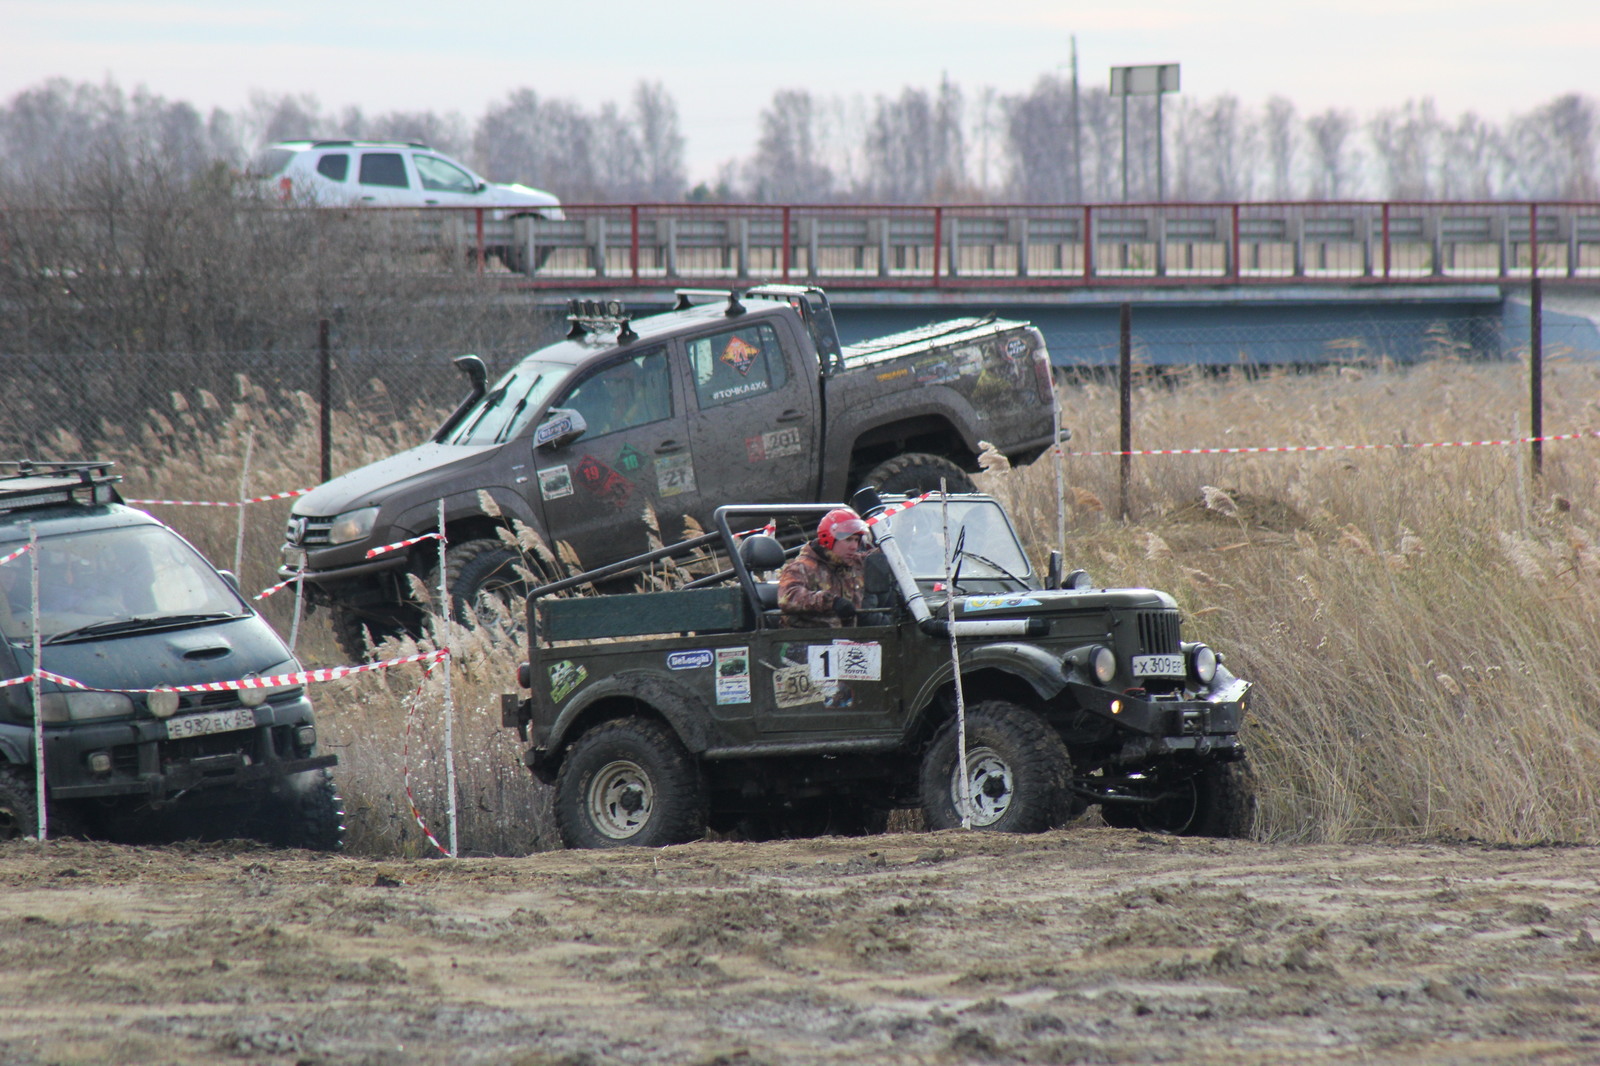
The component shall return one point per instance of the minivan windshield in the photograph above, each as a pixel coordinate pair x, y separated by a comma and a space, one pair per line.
117, 580
505, 411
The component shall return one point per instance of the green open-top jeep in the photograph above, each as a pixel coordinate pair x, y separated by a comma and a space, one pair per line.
660, 714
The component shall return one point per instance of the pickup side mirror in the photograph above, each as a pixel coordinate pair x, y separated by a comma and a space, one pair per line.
562, 426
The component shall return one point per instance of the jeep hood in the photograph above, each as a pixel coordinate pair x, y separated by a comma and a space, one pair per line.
1048, 602
387, 479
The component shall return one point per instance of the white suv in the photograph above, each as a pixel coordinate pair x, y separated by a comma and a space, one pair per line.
394, 174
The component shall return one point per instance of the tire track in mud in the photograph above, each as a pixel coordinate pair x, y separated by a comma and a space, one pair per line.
1087, 945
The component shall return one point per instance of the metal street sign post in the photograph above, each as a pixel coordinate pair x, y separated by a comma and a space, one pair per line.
1153, 79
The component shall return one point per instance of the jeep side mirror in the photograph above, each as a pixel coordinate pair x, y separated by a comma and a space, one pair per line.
1053, 574
563, 426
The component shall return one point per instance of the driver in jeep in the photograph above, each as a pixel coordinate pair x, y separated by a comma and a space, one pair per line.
825, 584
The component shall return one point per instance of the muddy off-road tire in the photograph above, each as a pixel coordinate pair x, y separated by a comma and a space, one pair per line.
1020, 771
915, 472
19, 812
479, 569
629, 783
306, 812
351, 631
1218, 801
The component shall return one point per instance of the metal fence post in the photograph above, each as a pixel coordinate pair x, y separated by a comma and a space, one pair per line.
325, 399
1125, 360
1536, 372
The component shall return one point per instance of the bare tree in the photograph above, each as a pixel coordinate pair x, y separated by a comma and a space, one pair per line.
915, 146
661, 142
787, 164
1406, 143
1280, 135
1038, 142
1333, 164
1555, 147
1473, 161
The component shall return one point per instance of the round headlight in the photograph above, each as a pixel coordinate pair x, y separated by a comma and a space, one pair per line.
1202, 663
1103, 661
254, 697
163, 703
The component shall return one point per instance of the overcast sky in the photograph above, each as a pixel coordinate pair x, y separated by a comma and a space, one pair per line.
722, 61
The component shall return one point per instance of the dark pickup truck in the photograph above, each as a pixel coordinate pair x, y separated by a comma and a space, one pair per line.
728, 396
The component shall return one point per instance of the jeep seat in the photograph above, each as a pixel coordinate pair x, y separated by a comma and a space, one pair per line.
762, 553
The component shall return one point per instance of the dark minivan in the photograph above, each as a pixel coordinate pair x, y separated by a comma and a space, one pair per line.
130, 619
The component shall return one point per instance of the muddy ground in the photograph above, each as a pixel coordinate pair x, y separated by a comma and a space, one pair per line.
1082, 946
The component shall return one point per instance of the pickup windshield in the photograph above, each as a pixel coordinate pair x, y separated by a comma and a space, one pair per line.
989, 548
113, 580
506, 410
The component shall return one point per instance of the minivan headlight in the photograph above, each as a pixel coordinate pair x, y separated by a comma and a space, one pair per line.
83, 706
352, 525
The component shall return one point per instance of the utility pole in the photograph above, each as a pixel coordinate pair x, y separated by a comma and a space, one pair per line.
1077, 130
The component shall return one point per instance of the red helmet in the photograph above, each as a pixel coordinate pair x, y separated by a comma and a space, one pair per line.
837, 525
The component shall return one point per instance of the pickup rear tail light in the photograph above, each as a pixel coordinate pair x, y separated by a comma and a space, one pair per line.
285, 188
1041, 374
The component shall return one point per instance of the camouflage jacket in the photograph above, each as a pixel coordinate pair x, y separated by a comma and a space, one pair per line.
811, 581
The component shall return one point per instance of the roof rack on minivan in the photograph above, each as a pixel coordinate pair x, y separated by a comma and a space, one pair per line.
49, 482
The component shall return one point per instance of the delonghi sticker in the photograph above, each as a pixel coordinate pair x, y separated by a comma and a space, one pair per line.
564, 677
674, 475
552, 429
774, 445
689, 660
792, 687
555, 482
846, 660
1016, 347
733, 675
996, 603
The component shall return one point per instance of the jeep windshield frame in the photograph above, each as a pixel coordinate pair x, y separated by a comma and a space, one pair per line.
508, 410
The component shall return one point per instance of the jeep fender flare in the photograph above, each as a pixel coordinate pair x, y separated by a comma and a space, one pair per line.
679, 706
1035, 666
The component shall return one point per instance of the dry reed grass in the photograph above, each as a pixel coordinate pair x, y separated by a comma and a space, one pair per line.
1417, 622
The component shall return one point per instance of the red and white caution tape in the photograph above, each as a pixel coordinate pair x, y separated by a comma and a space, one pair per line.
405, 763
397, 545
1341, 447
279, 587
895, 508
23, 680
302, 677
227, 503
19, 552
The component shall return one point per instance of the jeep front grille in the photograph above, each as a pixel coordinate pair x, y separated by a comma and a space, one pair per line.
1158, 632
307, 530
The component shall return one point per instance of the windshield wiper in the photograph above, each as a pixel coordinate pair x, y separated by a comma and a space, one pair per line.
986, 561
958, 555
129, 625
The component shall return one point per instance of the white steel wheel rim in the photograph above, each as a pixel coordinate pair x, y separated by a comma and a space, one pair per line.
992, 786
621, 798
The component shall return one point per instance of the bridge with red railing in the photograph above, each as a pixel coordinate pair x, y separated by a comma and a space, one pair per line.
1041, 247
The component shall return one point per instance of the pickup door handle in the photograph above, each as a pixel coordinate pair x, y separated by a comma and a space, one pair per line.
667, 447
368, 199
431, 202
793, 414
